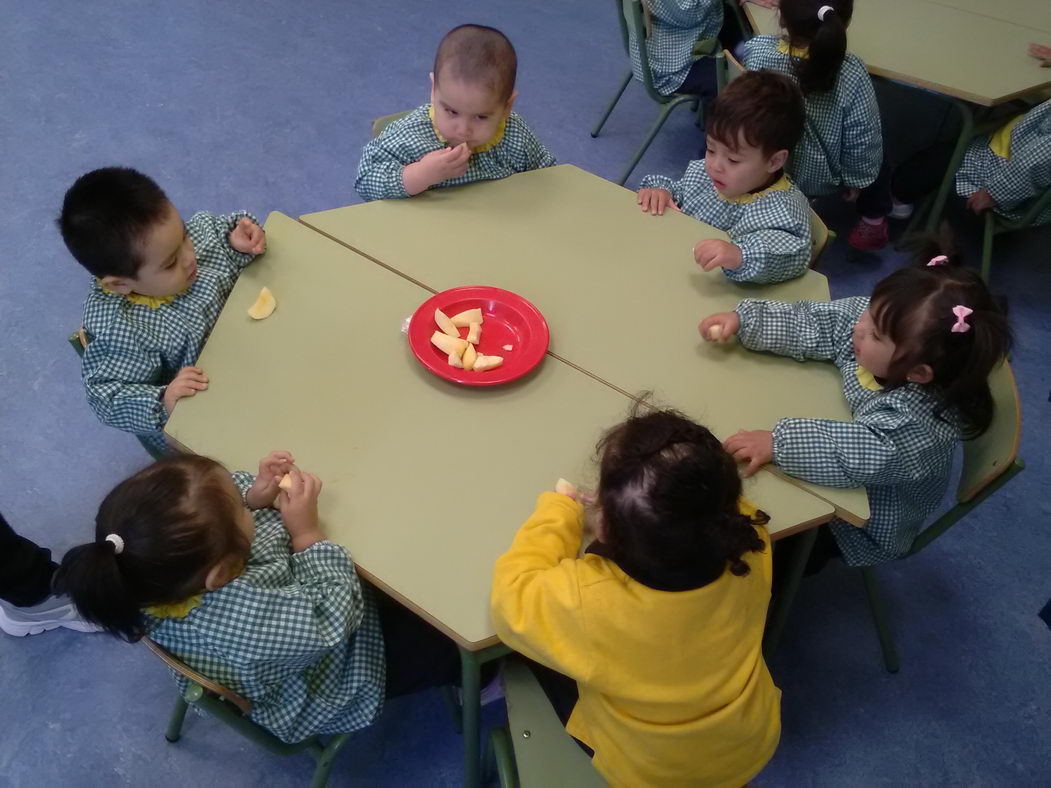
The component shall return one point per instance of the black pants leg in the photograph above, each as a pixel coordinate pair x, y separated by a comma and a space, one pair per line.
26, 569
561, 691
921, 173
874, 199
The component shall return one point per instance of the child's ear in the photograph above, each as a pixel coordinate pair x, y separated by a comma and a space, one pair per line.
431, 75
118, 284
510, 102
777, 161
220, 574
921, 373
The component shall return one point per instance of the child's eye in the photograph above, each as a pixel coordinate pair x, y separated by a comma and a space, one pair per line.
734, 161
451, 112
482, 117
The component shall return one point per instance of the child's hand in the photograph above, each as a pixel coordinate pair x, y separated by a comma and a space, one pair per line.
435, 167
1042, 53
756, 447
713, 253
720, 327
248, 237
186, 383
264, 489
298, 507
655, 201
980, 202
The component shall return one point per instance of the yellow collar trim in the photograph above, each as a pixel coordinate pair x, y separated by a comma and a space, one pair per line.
785, 49
175, 609
144, 300
1000, 142
496, 139
780, 185
866, 379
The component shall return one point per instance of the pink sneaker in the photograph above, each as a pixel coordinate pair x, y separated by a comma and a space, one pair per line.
869, 237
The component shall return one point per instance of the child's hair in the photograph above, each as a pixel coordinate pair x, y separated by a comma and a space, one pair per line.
104, 216
914, 308
764, 107
825, 40
668, 495
478, 55
176, 521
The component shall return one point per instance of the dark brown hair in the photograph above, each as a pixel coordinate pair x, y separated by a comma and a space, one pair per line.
764, 107
825, 40
668, 494
478, 55
177, 520
914, 308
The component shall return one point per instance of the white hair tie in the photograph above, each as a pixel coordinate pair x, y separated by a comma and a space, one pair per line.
824, 10
117, 542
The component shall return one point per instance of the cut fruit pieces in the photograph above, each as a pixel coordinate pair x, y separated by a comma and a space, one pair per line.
482, 363
474, 334
449, 345
286, 482
470, 356
715, 332
445, 324
509, 347
566, 488
456, 361
465, 318
264, 305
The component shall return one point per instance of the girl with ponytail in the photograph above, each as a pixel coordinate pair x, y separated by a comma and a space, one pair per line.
842, 145
650, 643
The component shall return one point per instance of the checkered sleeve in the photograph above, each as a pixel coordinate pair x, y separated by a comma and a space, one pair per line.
884, 446
533, 154
773, 235
296, 623
211, 231
383, 159
243, 480
685, 13
124, 383
862, 152
666, 183
1027, 174
802, 329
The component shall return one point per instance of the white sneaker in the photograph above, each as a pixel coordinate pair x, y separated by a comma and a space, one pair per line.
900, 210
53, 612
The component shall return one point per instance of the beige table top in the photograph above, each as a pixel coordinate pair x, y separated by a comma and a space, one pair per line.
424, 481
945, 46
619, 289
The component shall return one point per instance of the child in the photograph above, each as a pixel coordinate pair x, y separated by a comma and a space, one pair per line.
740, 187
675, 27
1003, 172
659, 626
252, 597
842, 145
915, 360
159, 287
467, 133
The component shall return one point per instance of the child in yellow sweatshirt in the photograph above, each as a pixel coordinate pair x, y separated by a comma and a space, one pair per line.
660, 623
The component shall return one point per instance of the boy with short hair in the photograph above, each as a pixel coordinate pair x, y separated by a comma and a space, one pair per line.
740, 186
467, 133
159, 287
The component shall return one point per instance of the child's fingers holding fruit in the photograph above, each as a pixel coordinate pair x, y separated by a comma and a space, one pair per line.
720, 327
272, 469
298, 506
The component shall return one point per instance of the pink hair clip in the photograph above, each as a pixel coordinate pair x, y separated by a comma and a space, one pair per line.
961, 326
939, 260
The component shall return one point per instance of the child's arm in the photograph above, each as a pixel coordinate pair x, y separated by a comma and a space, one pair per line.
237, 235
535, 602
122, 384
532, 154
692, 181
862, 153
683, 13
773, 236
1027, 174
803, 330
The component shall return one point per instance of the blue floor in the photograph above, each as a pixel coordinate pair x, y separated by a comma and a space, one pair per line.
265, 106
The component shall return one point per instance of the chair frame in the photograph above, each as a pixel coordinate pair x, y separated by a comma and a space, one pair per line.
634, 10
234, 710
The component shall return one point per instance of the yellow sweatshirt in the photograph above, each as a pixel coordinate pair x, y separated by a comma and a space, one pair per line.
673, 687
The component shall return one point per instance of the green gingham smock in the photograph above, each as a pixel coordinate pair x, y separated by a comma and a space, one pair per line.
1014, 181
136, 350
677, 26
842, 142
409, 139
295, 634
771, 227
896, 446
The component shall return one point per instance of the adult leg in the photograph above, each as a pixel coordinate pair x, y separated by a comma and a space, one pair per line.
26, 568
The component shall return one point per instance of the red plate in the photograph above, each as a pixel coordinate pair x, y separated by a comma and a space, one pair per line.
508, 320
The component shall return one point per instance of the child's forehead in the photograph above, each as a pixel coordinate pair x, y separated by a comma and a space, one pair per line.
739, 146
467, 95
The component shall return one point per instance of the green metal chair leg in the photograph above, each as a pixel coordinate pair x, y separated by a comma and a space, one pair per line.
503, 753
987, 245
326, 759
966, 132
612, 104
879, 616
175, 723
786, 590
471, 710
666, 110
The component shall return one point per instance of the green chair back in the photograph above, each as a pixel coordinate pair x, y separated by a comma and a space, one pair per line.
233, 710
379, 124
734, 67
633, 21
544, 755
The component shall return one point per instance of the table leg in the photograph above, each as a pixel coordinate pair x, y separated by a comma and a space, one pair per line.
471, 708
786, 591
966, 132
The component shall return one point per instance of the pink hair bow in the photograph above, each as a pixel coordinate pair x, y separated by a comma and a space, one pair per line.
961, 326
939, 260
